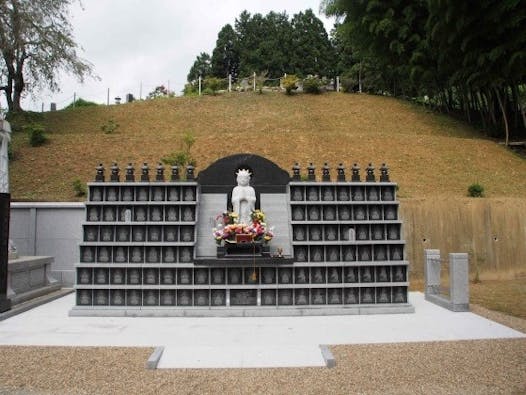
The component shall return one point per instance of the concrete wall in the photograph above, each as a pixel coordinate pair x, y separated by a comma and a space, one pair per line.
491, 231
49, 229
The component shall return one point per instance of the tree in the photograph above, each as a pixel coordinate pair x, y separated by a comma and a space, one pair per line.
467, 57
312, 51
36, 42
201, 68
274, 51
249, 31
225, 57
384, 35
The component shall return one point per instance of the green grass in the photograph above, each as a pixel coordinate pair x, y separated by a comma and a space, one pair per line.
428, 154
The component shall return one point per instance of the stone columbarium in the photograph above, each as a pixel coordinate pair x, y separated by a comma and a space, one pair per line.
242, 238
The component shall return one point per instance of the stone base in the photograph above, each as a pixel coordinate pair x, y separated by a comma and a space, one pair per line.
444, 302
29, 277
101, 311
243, 261
5, 304
236, 250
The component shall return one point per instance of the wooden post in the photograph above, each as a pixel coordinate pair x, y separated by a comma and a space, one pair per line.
199, 85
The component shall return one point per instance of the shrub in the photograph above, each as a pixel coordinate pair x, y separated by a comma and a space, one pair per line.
476, 190
80, 102
290, 83
191, 89
183, 157
37, 136
348, 84
312, 84
176, 158
208, 92
21, 119
213, 84
110, 126
79, 187
160, 91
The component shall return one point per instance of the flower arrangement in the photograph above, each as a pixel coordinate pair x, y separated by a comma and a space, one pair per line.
228, 227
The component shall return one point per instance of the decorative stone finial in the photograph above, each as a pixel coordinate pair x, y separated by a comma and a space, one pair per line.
355, 173
190, 172
341, 172
115, 172
175, 173
326, 175
100, 173
296, 172
160, 172
130, 173
384, 173
145, 172
311, 172
370, 173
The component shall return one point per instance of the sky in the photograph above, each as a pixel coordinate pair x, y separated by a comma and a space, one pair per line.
138, 42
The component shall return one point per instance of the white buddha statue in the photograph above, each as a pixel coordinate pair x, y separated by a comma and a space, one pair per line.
243, 197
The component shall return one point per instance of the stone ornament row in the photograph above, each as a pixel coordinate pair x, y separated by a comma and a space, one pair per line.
190, 173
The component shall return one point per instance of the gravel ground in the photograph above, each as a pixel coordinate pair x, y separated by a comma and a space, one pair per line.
461, 367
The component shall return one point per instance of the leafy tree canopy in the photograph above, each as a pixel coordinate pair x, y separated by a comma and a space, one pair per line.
36, 42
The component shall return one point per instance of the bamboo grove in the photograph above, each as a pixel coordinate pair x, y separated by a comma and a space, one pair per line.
467, 58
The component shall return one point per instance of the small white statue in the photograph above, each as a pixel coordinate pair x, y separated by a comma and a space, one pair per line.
243, 197
5, 137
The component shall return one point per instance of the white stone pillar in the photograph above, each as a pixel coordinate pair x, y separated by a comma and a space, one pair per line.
5, 137
432, 272
459, 281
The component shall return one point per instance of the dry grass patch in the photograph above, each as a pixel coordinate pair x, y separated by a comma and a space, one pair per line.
429, 154
507, 296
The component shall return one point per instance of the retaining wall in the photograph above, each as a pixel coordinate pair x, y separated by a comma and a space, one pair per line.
492, 231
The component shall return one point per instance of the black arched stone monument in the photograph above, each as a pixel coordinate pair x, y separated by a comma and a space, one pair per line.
267, 177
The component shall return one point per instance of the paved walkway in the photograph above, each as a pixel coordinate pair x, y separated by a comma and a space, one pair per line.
244, 341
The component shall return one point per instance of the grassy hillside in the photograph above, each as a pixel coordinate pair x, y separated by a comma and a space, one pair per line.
428, 154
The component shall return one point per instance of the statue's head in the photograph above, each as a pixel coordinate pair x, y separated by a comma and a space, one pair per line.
243, 177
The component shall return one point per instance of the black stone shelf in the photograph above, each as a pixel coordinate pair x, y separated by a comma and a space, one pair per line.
341, 183
243, 261
159, 243
344, 202
346, 242
142, 203
240, 286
